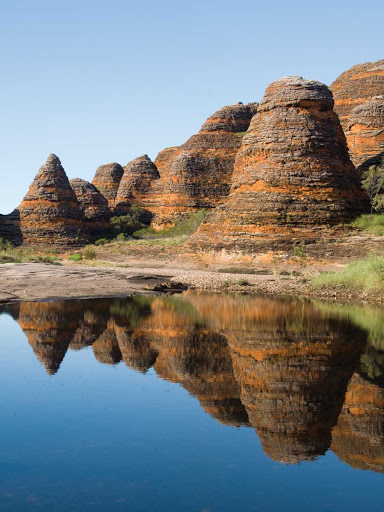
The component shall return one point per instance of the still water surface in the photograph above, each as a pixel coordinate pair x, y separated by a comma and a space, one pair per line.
195, 402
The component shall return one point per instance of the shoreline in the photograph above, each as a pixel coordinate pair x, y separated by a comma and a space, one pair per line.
44, 282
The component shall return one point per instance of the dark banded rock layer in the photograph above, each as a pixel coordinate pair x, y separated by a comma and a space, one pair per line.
293, 178
50, 212
93, 206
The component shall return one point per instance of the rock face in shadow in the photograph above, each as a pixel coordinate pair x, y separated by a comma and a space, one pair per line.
365, 133
10, 228
50, 212
135, 184
107, 180
357, 86
93, 206
358, 438
293, 178
197, 174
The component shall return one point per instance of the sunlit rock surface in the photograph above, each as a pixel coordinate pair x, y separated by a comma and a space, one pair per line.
293, 179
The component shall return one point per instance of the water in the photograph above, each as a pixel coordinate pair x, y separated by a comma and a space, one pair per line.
193, 402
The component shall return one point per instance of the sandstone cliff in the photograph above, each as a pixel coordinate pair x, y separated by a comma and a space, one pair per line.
93, 206
135, 184
107, 180
356, 86
293, 178
197, 174
365, 133
50, 212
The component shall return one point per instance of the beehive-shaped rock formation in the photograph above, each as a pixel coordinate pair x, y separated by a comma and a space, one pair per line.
356, 86
365, 133
197, 174
293, 177
94, 207
50, 212
107, 180
135, 183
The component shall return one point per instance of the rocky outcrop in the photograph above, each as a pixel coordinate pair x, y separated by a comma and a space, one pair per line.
197, 174
358, 438
135, 184
293, 178
50, 213
365, 133
93, 206
107, 180
357, 86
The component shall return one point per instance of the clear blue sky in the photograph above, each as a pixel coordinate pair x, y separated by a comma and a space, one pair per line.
100, 81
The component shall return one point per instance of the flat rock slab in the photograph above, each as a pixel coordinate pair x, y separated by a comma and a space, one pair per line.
38, 281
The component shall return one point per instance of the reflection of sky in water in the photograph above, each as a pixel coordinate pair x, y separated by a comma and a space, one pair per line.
105, 437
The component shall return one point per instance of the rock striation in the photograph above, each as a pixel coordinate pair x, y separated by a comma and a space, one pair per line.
50, 212
197, 174
358, 95
93, 206
107, 180
356, 86
135, 184
293, 178
365, 133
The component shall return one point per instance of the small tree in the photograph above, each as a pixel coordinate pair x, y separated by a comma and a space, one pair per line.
128, 223
373, 183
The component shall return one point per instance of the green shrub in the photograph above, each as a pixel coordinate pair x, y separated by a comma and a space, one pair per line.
243, 282
183, 226
373, 223
373, 182
366, 274
5, 245
89, 253
121, 237
240, 134
102, 241
75, 257
128, 223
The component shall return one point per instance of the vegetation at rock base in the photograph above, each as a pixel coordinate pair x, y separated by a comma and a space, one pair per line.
183, 227
373, 183
366, 275
373, 223
129, 223
75, 257
11, 254
89, 253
